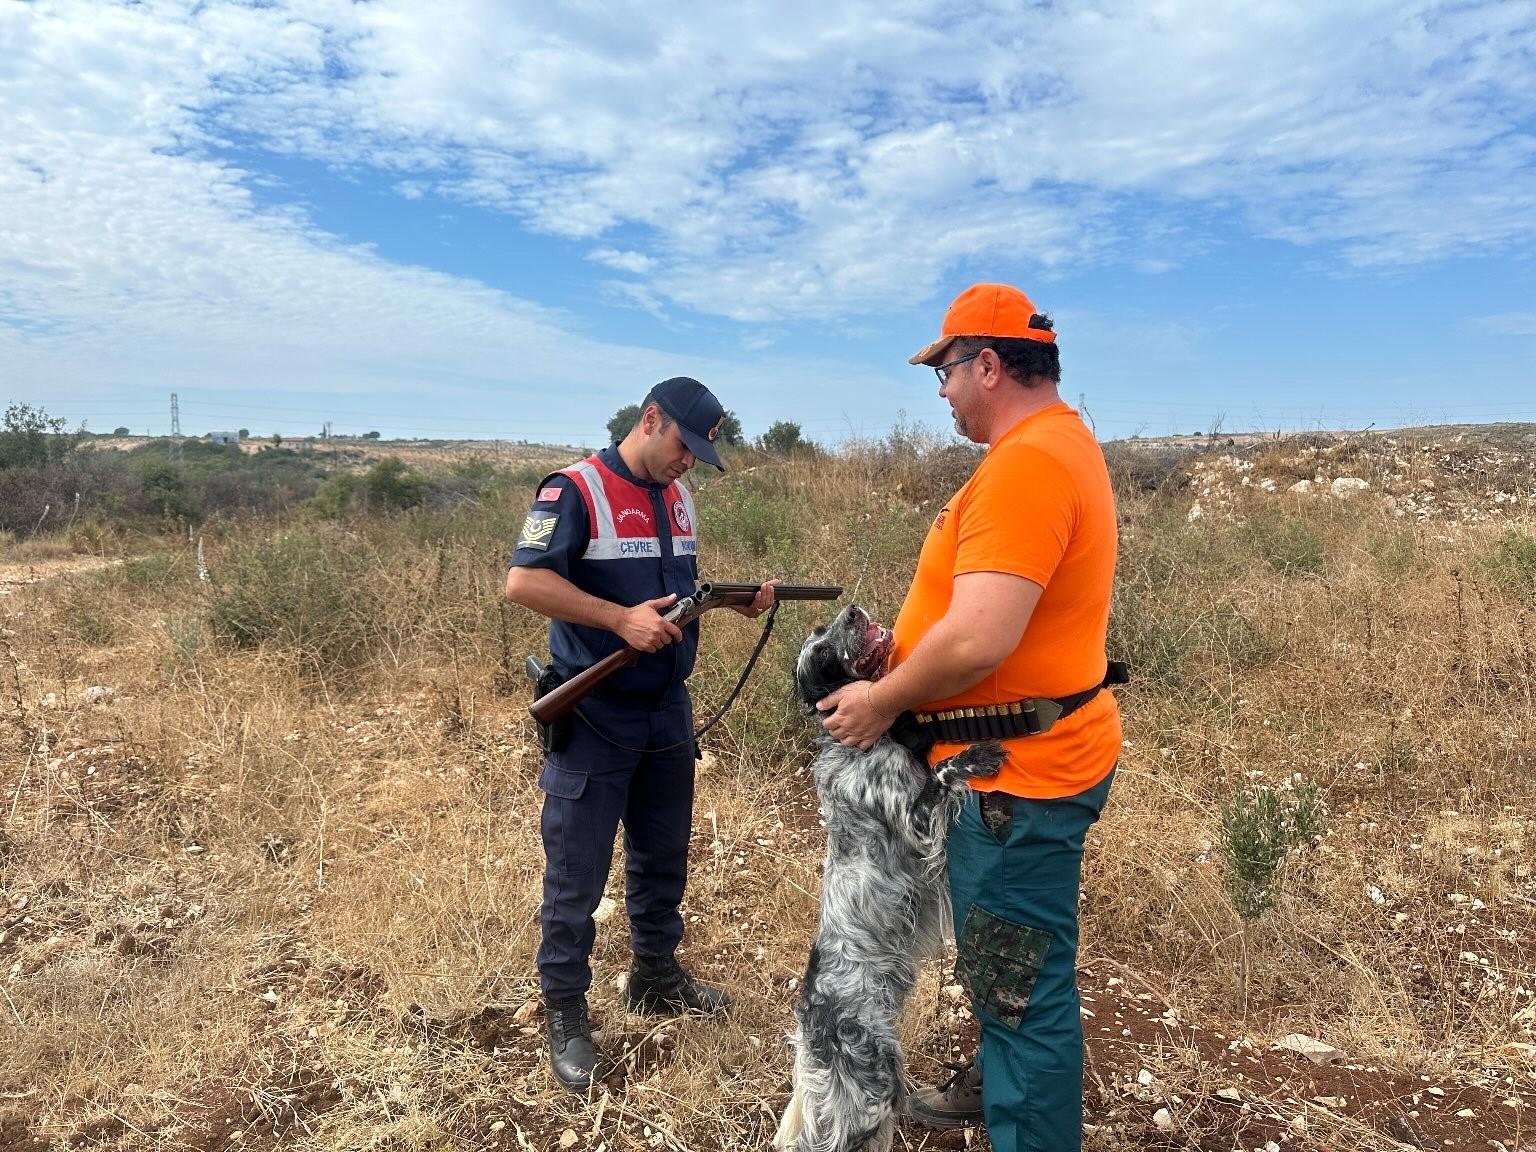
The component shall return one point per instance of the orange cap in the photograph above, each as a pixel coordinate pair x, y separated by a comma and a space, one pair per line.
988, 310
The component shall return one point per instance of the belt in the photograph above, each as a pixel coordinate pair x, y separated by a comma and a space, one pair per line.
1027, 717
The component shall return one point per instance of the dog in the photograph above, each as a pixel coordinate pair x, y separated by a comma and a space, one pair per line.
884, 901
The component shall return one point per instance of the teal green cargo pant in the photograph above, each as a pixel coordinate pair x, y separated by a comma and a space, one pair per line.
1015, 868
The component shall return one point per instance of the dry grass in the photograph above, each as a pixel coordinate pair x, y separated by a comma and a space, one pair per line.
287, 893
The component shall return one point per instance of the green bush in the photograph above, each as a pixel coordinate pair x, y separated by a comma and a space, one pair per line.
1511, 563
750, 519
391, 485
302, 590
1288, 544
1260, 827
152, 571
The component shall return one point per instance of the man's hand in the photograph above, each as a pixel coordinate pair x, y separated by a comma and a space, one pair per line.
850, 716
760, 603
643, 628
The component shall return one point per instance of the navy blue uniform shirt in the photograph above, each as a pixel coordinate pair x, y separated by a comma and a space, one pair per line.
628, 581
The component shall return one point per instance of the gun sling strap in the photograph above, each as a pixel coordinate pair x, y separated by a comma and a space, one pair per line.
762, 642
1027, 717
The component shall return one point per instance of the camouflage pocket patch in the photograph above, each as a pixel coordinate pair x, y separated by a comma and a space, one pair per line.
537, 530
999, 962
997, 815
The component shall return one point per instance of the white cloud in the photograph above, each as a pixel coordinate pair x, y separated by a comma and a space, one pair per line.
764, 162
799, 159
1510, 323
131, 258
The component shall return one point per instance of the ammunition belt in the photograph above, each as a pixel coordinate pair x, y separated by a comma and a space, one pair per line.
1028, 717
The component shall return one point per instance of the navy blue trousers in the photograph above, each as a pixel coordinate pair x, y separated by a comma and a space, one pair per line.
590, 787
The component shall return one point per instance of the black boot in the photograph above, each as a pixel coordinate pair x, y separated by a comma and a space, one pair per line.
658, 986
572, 1054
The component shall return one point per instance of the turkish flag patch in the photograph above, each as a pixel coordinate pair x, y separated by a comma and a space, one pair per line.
549, 495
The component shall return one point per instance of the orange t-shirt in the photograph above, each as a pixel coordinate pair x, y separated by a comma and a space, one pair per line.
1039, 505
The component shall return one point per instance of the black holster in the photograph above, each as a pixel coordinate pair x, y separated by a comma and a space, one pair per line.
552, 737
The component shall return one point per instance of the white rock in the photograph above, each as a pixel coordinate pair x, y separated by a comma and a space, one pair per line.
1346, 486
1298, 1123
1301, 486
1163, 1119
97, 694
1230, 1093
1314, 1050
605, 908
568, 1138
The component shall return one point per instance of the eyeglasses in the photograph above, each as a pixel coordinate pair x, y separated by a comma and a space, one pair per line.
942, 370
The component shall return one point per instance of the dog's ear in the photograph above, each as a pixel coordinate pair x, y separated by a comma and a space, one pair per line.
820, 671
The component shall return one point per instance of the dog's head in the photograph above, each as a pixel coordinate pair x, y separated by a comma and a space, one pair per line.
852, 647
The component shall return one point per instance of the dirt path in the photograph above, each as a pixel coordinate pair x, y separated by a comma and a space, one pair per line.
16, 573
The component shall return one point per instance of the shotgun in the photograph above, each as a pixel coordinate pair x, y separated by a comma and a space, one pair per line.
559, 701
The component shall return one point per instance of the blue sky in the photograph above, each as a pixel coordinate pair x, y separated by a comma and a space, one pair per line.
502, 219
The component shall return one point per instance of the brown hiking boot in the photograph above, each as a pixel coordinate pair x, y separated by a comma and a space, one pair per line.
956, 1103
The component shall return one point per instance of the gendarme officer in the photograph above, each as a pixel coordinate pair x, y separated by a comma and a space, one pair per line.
609, 545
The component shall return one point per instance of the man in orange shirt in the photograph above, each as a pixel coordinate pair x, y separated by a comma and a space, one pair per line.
1002, 634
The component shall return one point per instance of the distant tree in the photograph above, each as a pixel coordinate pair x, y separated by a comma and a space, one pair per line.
277, 440
370, 435
782, 438
622, 421
730, 430
244, 433
120, 430
30, 438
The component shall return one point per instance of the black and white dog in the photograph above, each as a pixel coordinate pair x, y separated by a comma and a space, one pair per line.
884, 903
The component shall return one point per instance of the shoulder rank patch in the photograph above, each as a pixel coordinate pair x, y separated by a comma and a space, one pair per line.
537, 530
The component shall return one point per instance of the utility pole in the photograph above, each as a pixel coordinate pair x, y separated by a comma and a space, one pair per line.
175, 430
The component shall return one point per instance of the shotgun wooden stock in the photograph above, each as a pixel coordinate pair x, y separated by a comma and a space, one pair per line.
559, 701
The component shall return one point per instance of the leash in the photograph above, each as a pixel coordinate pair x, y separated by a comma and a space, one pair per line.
762, 641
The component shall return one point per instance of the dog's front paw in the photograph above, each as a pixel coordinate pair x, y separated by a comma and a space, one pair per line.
983, 759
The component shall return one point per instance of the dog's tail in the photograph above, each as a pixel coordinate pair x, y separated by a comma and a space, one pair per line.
793, 1122
848, 1107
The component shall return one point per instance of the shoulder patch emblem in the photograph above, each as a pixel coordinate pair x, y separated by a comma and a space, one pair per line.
537, 530
548, 495
680, 514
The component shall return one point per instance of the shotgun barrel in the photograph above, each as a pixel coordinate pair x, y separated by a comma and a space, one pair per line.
561, 700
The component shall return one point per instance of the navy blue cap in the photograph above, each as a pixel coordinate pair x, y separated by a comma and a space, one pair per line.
697, 412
